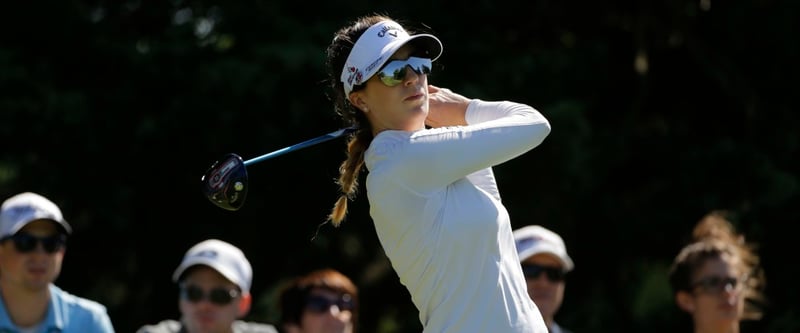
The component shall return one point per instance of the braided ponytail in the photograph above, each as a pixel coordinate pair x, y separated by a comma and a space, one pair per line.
348, 173
337, 53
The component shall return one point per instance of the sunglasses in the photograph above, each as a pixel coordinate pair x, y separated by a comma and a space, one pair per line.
218, 296
533, 272
718, 284
320, 304
394, 72
27, 243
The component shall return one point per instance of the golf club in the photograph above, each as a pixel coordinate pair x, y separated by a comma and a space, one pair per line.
225, 182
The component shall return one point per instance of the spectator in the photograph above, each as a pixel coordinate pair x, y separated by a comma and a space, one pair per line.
323, 300
717, 278
33, 240
214, 280
545, 263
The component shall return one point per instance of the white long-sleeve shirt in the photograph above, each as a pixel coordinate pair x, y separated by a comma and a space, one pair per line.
437, 212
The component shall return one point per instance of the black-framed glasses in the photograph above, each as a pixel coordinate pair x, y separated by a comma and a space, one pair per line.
533, 271
320, 304
218, 296
394, 72
716, 284
27, 243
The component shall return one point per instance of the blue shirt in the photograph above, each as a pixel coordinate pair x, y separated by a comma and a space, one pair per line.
67, 313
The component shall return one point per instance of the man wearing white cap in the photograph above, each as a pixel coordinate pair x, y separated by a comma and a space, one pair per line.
545, 263
214, 280
33, 236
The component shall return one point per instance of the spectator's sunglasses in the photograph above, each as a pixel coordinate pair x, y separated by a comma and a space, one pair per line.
219, 296
26, 243
320, 304
718, 284
533, 271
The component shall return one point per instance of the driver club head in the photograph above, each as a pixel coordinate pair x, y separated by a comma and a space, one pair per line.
225, 182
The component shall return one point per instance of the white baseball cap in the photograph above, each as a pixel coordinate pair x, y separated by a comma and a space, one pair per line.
374, 48
535, 239
24, 208
223, 257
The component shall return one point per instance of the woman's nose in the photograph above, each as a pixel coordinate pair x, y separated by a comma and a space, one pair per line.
411, 75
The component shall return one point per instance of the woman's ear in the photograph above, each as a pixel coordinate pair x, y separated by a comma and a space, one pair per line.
358, 101
685, 301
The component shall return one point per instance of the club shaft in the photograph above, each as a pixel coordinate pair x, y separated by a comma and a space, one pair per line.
301, 145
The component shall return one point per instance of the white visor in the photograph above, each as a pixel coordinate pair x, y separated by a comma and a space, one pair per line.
374, 48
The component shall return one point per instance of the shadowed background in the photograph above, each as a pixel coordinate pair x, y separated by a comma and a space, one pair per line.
660, 112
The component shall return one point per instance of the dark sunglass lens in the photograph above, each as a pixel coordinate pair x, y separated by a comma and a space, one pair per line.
193, 294
346, 303
318, 304
533, 271
218, 296
53, 244
221, 296
717, 284
554, 274
721, 284
24, 242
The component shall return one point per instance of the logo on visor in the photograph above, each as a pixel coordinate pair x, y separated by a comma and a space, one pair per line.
389, 29
354, 75
375, 63
206, 254
529, 242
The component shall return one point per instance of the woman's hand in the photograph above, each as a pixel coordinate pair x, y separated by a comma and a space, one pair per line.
445, 108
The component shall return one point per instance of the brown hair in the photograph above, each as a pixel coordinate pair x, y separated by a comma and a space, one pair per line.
292, 297
714, 236
358, 142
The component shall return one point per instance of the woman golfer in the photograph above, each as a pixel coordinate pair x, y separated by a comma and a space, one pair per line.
432, 193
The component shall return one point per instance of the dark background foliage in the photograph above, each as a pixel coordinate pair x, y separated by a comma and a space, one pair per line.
661, 112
